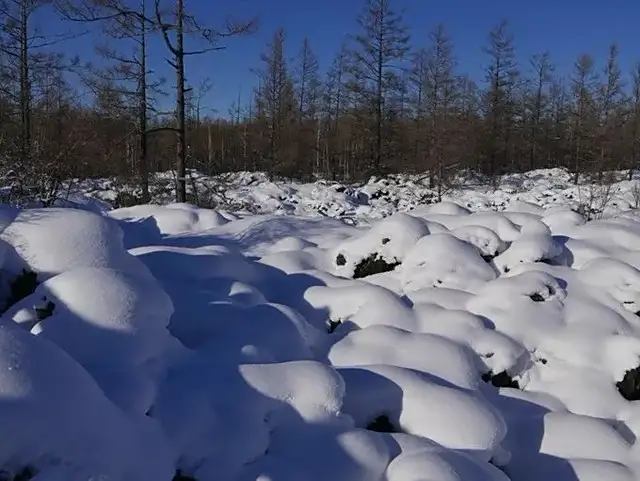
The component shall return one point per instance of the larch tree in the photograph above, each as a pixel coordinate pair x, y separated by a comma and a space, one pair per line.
174, 31
307, 82
542, 70
308, 87
440, 93
128, 74
335, 105
18, 42
275, 98
583, 112
417, 85
380, 48
501, 76
634, 160
29, 62
610, 97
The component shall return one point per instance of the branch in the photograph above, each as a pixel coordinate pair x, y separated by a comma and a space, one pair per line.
162, 129
164, 29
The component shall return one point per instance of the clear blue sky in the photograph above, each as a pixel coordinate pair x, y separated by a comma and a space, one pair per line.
566, 28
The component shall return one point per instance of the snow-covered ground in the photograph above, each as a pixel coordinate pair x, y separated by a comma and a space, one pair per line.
169, 342
256, 193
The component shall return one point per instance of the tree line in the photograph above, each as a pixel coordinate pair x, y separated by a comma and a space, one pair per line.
386, 103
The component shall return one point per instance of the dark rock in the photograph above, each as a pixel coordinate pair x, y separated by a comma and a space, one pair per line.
22, 286
502, 379
536, 297
25, 474
385, 241
381, 424
333, 325
373, 265
629, 387
127, 199
379, 194
488, 257
340, 260
44, 310
182, 477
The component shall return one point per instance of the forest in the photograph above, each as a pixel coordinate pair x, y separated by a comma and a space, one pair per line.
386, 103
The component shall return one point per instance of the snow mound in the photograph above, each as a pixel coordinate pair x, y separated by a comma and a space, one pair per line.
443, 465
442, 260
105, 320
447, 360
456, 418
58, 423
372, 335
52, 241
386, 243
172, 218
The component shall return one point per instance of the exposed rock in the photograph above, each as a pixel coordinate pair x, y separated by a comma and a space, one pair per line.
502, 379
22, 286
629, 387
182, 477
373, 265
333, 325
381, 424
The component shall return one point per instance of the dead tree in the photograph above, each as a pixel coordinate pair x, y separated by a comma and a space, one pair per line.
182, 24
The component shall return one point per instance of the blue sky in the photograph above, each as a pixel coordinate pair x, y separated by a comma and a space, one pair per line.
566, 28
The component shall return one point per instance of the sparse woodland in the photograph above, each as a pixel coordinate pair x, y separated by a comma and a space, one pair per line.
386, 103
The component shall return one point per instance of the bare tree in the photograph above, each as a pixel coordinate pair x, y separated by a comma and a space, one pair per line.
610, 98
542, 70
440, 98
18, 42
275, 98
502, 75
308, 82
635, 121
29, 60
129, 74
380, 47
173, 33
583, 112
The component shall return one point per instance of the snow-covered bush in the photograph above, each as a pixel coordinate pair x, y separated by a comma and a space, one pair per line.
380, 249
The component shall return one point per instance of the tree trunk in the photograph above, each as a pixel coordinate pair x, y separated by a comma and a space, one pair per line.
379, 99
181, 170
209, 149
25, 86
142, 96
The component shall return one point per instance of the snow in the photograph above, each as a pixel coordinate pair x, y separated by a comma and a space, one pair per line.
324, 331
54, 417
455, 418
258, 193
443, 260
